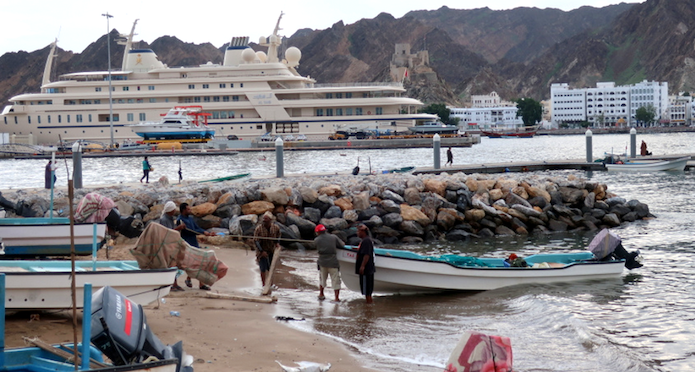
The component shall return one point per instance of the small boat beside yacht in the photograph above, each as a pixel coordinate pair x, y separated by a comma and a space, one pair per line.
649, 165
180, 123
434, 127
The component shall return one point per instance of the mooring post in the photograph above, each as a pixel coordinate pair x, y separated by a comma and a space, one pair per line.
436, 142
77, 165
589, 146
633, 143
279, 161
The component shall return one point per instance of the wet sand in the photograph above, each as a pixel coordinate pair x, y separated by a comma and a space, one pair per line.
221, 334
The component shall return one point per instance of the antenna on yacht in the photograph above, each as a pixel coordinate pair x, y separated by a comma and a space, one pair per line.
127, 40
274, 41
49, 63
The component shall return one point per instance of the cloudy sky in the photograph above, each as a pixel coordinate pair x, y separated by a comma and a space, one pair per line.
33, 24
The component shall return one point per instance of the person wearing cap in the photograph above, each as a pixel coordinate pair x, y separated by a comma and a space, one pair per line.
264, 255
167, 218
364, 264
327, 245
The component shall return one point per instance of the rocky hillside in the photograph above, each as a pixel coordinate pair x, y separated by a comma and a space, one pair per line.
517, 53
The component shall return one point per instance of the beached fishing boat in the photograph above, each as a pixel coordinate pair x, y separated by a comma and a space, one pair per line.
46, 284
513, 132
228, 178
650, 166
399, 271
400, 170
38, 236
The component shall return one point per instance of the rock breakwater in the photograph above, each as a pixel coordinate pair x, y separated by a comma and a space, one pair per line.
398, 208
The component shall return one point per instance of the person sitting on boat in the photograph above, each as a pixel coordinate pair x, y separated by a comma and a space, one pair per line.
190, 233
643, 149
515, 261
327, 245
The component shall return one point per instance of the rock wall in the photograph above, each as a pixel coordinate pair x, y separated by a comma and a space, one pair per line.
397, 208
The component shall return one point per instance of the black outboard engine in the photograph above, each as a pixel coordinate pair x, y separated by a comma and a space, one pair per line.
608, 246
120, 331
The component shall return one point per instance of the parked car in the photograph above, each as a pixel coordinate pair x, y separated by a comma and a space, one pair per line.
232, 137
289, 137
301, 137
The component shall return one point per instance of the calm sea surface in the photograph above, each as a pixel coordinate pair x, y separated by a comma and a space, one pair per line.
644, 321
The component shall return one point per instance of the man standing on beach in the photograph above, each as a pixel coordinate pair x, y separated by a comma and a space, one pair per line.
449, 157
266, 247
189, 233
364, 265
50, 177
327, 245
146, 170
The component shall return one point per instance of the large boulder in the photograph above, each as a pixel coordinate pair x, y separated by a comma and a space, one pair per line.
124, 208
344, 204
411, 196
334, 223
226, 198
257, 207
350, 215
445, 220
412, 214
240, 224
333, 212
390, 206
312, 214
306, 227
412, 228
390, 195
331, 190
204, 209
361, 201
392, 219
435, 186
309, 195
275, 195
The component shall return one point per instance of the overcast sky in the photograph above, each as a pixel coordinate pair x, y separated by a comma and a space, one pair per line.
33, 24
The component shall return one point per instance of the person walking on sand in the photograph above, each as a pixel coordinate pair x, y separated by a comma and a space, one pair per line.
326, 245
146, 167
266, 247
449, 157
364, 264
190, 233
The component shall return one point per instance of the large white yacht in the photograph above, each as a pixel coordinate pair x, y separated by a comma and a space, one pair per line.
250, 94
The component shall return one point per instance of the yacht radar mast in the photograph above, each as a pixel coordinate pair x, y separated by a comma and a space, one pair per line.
127, 40
273, 42
49, 63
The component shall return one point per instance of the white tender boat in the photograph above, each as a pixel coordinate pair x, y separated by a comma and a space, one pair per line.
650, 166
432, 127
46, 284
400, 271
181, 122
38, 236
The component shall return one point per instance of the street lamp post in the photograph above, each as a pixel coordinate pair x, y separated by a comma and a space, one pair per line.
108, 48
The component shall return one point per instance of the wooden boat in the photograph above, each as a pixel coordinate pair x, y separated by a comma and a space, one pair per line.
228, 178
650, 166
46, 284
38, 236
400, 271
518, 132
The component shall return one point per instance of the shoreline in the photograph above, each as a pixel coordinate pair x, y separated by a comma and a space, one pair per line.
218, 333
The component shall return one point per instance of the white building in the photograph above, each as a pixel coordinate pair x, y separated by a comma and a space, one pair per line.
680, 110
486, 117
490, 100
607, 104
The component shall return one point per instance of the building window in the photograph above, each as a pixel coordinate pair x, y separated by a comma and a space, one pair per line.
37, 118
231, 85
97, 89
150, 87
348, 111
196, 99
216, 98
329, 95
379, 110
225, 99
153, 100
126, 88
339, 95
319, 112
329, 112
90, 118
206, 99
143, 116
241, 85
348, 95
191, 86
223, 114
29, 119
206, 86
68, 116
358, 111
130, 117
49, 119
339, 112
231, 114
223, 85
60, 119
235, 98
215, 114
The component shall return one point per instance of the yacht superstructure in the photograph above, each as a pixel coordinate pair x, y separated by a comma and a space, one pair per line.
249, 94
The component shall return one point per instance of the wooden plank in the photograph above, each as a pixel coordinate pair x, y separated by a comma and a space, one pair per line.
269, 277
224, 296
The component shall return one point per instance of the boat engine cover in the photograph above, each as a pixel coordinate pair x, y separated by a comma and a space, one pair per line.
123, 331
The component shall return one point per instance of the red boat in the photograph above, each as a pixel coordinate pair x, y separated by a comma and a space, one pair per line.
518, 132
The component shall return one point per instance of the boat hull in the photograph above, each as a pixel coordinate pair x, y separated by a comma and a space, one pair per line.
46, 284
20, 237
402, 275
666, 165
508, 135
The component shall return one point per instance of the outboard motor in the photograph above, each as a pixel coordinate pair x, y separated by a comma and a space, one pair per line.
120, 331
607, 245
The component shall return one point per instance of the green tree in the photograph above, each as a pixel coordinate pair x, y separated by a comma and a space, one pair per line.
530, 110
645, 114
686, 94
440, 110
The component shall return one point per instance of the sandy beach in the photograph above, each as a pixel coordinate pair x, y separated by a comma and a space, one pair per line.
221, 334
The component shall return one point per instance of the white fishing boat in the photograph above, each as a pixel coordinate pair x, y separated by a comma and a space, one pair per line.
248, 94
180, 123
650, 165
39, 236
46, 284
432, 127
400, 271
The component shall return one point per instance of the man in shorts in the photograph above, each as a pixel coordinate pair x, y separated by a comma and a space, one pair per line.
327, 245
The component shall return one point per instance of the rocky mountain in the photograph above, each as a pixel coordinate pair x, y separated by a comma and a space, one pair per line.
517, 52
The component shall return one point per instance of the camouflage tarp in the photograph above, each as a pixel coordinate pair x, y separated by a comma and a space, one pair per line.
159, 247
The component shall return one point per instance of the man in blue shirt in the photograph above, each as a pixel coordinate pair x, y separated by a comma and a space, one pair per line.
364, 264
190, 233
